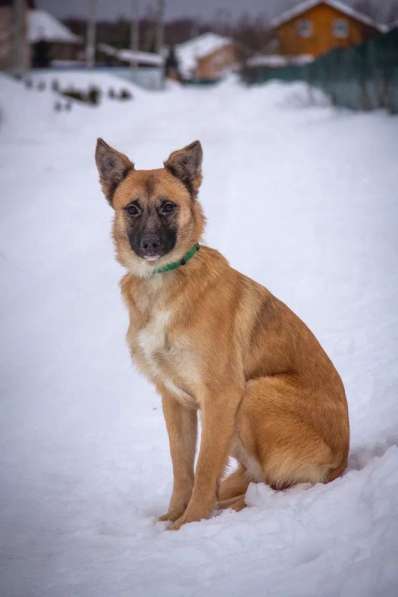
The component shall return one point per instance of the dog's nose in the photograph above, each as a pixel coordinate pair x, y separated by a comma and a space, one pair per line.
150, 244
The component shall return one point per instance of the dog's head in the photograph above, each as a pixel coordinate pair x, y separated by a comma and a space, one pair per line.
157, 215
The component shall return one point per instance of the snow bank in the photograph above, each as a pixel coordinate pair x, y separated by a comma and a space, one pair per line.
300, 197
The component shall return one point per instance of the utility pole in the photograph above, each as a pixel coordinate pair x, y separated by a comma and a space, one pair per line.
160, 27
91, 26
134, 31
19, 42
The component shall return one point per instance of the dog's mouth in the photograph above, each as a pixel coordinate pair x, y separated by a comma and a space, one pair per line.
150, 246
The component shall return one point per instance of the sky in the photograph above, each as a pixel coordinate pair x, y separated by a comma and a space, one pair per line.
205, 9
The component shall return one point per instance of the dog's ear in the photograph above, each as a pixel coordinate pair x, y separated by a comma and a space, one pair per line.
186, 164
113, 167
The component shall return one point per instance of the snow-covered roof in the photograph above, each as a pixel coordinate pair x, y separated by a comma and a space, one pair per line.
189, 52
276, 60
42, 25
337, 4
393, 25
148, 58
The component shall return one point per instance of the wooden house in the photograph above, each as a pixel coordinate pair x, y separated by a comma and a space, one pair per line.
41, 37
314, 27
207, 57
51, 40
217, 63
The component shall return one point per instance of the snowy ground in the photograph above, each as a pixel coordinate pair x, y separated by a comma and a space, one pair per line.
302, 198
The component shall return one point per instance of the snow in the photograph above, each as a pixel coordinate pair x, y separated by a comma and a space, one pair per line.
277, 60
42, 25
148, 58
82, 80
189, 52
302, 7
300, 197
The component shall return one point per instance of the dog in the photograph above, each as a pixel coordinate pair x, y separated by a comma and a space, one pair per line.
212, 340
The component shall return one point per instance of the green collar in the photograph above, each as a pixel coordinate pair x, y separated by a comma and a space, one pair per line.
175, 264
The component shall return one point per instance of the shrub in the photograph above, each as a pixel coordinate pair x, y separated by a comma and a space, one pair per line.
125, 95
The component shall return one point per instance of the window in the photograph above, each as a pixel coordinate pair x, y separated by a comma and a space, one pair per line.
340, 28
304, 28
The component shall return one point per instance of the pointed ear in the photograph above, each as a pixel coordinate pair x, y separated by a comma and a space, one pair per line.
186, 164
112, 166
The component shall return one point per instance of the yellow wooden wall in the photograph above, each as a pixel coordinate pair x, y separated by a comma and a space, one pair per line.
322, 38
213, 65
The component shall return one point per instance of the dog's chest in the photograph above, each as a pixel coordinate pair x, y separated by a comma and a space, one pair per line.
163, 356
152, 338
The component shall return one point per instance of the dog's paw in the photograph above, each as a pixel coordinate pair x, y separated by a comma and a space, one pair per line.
189, 517
169, 517
164, 517
177, 524
174, 512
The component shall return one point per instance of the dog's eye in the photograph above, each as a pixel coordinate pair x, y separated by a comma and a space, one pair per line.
133, 209
167, 207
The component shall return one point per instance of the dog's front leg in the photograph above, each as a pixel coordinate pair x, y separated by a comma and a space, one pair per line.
218, 425
181, 426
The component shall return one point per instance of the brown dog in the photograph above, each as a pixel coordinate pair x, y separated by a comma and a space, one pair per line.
210, 338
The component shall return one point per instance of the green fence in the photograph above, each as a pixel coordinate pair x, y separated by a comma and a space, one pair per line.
362, 78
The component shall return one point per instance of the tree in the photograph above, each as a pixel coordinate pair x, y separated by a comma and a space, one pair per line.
171, 65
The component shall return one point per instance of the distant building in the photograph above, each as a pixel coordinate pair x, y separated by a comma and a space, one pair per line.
314, 27
51, 41
145, 69
111, 56
207, 57
30, 37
